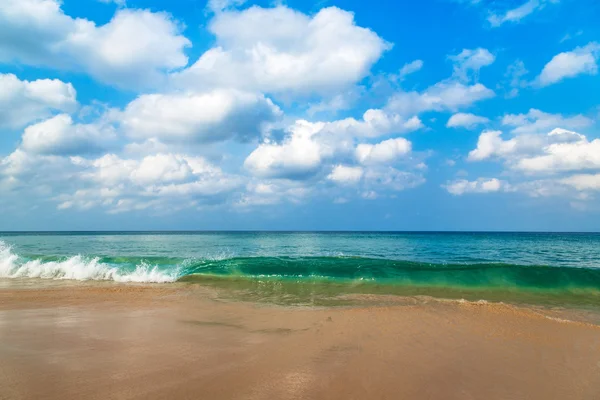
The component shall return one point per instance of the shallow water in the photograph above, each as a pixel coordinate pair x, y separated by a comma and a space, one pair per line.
549, 268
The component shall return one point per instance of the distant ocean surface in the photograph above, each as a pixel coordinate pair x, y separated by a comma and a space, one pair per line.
548, 267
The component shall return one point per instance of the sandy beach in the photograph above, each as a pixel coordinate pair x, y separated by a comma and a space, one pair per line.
109, 341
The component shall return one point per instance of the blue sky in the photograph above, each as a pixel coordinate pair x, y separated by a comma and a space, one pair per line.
299, 115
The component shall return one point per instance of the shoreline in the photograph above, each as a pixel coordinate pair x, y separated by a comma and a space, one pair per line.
259, 292
104, 340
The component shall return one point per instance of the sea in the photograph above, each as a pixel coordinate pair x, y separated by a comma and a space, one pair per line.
558, 269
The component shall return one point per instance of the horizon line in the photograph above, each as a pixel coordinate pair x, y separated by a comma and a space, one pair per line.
283, 231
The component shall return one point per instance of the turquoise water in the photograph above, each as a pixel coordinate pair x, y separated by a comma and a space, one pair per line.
548, 267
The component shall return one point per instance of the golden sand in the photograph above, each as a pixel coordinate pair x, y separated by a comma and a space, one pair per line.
184, 342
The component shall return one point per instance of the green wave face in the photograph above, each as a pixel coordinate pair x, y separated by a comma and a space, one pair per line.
319, 280
352, 269
303, 278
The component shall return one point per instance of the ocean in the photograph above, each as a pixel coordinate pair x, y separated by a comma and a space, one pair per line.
546, 268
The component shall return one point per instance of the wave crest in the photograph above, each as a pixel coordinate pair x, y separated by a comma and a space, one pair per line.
79, 268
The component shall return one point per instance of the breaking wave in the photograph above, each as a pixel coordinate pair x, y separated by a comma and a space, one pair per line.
79, 268
332, 269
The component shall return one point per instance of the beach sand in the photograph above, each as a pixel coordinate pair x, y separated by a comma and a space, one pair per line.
110, 341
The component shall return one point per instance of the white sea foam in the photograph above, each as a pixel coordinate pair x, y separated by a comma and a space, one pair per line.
78, 268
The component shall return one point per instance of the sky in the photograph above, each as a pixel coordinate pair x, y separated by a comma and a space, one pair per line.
300, 115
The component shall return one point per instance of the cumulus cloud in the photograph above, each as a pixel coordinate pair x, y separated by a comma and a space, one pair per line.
443, 96
144, 156
518, 13
466, 120
133, 49
59, 135
162, 182
22, 102
308, 145
298, 156
583, 182
563, 163
34, 171
384, 152
280, 50
481, 185
581, 60
198, 117
312, 154
575, 155
469, 61
536, 121
491, 144
345, 175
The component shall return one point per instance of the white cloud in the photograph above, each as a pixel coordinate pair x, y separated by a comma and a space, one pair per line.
22, 102
583, 182
198, 117
384, 152
491, 144
133, 49
162, 182
466, 120
280, 50
164, 168
410, 68
581, 60
443, 96
345, 175
481, 185
517, 14
557, 152
147, 147
536, 121
308, 145
59, 135
374, 123
27, 178
375, 181
297, 156
468, 63
564, 156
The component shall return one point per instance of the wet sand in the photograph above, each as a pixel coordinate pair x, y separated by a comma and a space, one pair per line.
188, 342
